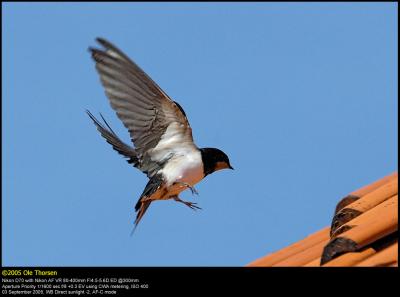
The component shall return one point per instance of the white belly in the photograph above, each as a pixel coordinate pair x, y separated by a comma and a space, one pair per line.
186, 168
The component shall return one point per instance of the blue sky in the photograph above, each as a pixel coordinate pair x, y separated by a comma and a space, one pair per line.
302, 97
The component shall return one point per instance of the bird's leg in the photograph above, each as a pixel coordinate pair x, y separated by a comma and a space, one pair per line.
194, 191
192, 205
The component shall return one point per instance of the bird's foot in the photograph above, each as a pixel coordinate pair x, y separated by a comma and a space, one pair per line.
192, 189
192, 205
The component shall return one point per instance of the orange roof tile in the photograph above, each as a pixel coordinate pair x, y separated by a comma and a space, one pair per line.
363, 232
308, 242
386, 257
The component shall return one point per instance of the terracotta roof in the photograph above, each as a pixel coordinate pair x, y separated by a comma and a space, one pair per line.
363, 232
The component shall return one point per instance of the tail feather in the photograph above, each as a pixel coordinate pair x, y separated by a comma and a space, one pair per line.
144, 205
153, 185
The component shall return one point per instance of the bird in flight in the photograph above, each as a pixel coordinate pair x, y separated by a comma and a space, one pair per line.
163, 148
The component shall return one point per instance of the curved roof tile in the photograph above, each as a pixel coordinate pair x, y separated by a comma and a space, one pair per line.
363, 232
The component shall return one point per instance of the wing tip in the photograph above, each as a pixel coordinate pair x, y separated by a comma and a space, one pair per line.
89, 113
98, 52
93, 118
102, 41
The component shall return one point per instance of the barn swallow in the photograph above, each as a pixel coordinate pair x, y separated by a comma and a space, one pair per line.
163, 146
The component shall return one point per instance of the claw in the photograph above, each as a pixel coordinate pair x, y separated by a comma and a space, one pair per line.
192, 205
194, 191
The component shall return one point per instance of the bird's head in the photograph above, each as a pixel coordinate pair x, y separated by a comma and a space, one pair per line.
214, 160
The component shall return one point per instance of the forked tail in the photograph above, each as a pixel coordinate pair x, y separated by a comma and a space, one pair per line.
141, 209
144, 201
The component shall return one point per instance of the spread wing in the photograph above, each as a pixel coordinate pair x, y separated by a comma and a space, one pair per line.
157, 125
